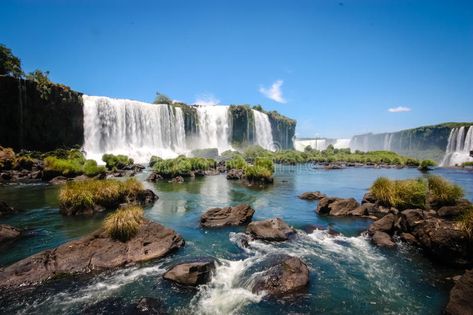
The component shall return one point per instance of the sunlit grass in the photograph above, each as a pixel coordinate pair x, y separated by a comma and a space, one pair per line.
124, 223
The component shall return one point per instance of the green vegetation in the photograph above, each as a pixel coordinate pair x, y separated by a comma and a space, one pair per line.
108, 193
153, 160
162, 99
442, 192
466, 222
116, 162
181, 166
70, 163
236, 162
9, 64
124, 223
426, 165
261, 171
467, 164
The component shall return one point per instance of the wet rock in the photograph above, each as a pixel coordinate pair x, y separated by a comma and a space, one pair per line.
382, 239
316, 195
177, 179
365, 209
452, 212
234, 174
119, 306
154, 177
95, 252
334, 167
228, 216
409, 238
5, 209
270, 230
146, 197
385, 224
191, 274
368, 198
461, 296
150, 306
410, 219
336, 206
58, 180
289, 275
317, 227
9, 233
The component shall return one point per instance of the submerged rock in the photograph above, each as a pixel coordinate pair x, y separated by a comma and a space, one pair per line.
289, 275
461, 296
9, 233
5, 209
316, 195
191, 274
228, 216
119, 306
95, 252
336, 206
270, 230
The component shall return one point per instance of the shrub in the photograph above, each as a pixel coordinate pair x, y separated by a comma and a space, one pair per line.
124, 223
68, 168
180, 166
401, 194
116, 161
465, 164
153, 160
266, 163
109, 193
256, 173
237, 162
23, 163
442, 192
91, 169
425, 165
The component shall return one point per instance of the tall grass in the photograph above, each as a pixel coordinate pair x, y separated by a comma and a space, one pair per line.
124, 223
72, 167
442, 192
182, 166
401, 194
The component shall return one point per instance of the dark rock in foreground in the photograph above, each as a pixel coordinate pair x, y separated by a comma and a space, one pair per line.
461, 296
270, 230
119, 306
9, 233
385, 224
95, 252
382, 239
316, 195
6, 209
289, 275
192, 273
228, 216
336, 206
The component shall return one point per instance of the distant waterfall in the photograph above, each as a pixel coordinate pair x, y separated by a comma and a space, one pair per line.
263, 132
342, 144
137, 129
214, 128
315, 144
388, 139
460, 143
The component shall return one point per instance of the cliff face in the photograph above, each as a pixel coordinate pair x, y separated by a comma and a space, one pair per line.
428, 142
284, 130
33, 118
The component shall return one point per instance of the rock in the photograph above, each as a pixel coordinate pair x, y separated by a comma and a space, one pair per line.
177, 179
119, 306
81, 177
368, 198
334, 167
234, 174
365, 209
146, 197
382, 239
385, 224
95, 252
314, 227
461, 296
270, 230
336, 206
316, 195
150, 306
410, 219
409, 238
451, 212
9, 233
58, 180
154, 177
191, 274
228, 216
5, 209
289, 275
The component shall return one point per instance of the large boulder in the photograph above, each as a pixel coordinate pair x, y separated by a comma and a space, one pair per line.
228, 216
410, 219
336, 206
191, 273
95, 252
461, 296
9, 233
316, 195
385, 224
288, 275
5, 209
270, 230
382, 239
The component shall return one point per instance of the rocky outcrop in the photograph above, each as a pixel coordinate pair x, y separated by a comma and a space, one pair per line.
461, 296
270, 230
316, 195
9, 233
191, 273
228, 216
5, 209
235, 174
95, 252
288, 275
336, 206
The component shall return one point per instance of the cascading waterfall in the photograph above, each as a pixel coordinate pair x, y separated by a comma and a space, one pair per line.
460, 143
342, 144
315, 144
388, 138
136, 129
214, 127
263, 132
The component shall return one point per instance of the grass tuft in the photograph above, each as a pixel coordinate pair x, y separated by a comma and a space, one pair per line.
401, 194
442, 192
124, 223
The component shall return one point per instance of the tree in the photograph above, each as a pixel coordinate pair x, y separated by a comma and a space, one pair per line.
9, 64
162, 99
43, 84
258, 108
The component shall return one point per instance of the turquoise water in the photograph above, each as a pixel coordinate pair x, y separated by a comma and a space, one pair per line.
348, 274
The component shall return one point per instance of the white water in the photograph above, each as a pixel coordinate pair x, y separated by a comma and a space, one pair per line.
136, 129
342, 144
388, 138
460, 143
214, 128
315, 144
263, 132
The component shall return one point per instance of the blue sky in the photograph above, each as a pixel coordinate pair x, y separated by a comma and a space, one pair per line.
335, 66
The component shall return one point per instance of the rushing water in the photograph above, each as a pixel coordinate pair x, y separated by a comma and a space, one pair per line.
348, 275
263, 132
460, 143
214, 127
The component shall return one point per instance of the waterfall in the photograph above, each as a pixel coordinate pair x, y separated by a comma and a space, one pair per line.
460, 143
214, 127
263, 132
342, 144
136, 129
388, 138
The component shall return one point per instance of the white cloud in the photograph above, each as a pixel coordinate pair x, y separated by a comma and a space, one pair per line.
206, 100
274, 92
399, 109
